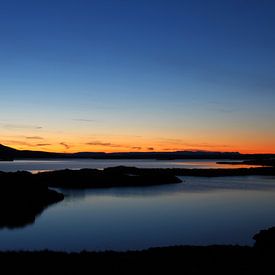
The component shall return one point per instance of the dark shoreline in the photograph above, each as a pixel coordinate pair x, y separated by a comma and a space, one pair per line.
212, 259
178, 259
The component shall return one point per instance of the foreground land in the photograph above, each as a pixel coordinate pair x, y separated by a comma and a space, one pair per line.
170, 260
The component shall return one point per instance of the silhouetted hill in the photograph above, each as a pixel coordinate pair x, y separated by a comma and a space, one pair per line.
7, 153
10, 153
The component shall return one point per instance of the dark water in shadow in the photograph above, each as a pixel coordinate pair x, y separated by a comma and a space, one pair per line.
199, 211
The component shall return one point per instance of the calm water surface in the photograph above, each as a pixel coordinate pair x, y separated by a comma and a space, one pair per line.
46, 165
199, 211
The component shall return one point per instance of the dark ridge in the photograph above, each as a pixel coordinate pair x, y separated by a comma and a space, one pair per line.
10, 153
22, 199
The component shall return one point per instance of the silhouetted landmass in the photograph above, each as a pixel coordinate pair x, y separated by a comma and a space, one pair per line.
10, 153
265, 239
122, 176
109, 177
6, 159
22, 199
215, 259
263, 162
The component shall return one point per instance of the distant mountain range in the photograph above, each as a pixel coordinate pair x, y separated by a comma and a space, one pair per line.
8, 153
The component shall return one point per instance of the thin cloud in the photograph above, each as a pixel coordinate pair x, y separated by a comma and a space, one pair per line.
202, 145
179, 144
65, 145
43, 144
221, 108
21, 126
99, 143
151, 148
173, 140
83, 120
136, 148
34, 137
23, 143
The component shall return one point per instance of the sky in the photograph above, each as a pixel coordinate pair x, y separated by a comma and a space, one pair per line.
137, 75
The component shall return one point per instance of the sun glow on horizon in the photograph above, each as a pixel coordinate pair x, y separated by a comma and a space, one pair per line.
144, 146
137, 77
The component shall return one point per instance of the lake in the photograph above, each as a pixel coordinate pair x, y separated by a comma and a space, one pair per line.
198, 211
46, 165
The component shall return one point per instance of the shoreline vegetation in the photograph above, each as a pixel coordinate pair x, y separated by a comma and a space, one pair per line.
212, 259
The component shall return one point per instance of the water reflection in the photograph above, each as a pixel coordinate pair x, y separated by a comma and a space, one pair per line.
188, 185
199, 211
36, 166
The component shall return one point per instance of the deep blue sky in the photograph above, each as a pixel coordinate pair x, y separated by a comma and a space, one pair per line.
175, 70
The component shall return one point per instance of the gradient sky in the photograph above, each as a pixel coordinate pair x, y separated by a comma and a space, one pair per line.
137, 75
